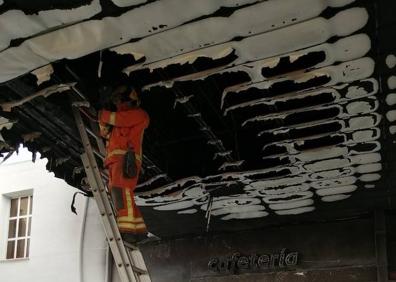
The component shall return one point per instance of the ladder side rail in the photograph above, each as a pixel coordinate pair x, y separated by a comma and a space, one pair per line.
99, 141
100, 194
117, 247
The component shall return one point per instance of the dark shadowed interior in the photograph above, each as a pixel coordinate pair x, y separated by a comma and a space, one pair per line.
301, 132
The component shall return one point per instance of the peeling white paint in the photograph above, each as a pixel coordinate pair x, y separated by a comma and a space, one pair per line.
345, 49
391, 99
366, 135
263, 18
229, 202
175, 206
194, 115
329, 174
392, 82
276, 182
263, 192
151, 180
6, 123
321, 153
357, 92
364, 121
342, 114
94, 35
358, 107
295, 211
355, 123
339, 181
187, 191
285, 198
126, 3
182, 100
43, 74
293, 197
189, 211
331, 171
296, 183
194, 192
188, 58
245, 215
367, 168
222, 154
336, 190
274, 193
57, 88
268, 44
370, 177
333, 198
345, 72
339, 3
291, 204
366, 158
294, 154
342, 162
214, 142
237, 209
226, 165
351, 94
376, 148
390, 61
391, 115
16, 24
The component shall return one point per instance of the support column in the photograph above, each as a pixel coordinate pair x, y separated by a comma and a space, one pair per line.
380, 246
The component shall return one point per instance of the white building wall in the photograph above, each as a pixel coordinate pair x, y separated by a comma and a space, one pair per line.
56, 231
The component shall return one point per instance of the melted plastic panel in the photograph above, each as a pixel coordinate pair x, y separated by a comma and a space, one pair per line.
307, 128
95, 34
277, 116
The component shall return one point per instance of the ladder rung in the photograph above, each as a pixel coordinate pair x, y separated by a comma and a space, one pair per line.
104, 175
90, 132
130, 246
99, 154
139, 270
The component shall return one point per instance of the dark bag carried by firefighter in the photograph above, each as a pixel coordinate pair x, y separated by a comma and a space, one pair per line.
129, 165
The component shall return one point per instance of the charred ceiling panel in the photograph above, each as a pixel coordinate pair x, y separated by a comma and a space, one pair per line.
96, 34
262, 112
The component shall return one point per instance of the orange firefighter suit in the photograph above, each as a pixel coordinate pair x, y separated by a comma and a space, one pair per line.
122, 129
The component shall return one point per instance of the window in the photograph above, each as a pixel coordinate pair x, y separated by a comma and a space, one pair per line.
19, 227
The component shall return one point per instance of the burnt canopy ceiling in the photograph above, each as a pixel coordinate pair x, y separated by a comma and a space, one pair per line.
282, 110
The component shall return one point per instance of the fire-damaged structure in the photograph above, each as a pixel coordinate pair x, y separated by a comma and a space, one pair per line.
276, 116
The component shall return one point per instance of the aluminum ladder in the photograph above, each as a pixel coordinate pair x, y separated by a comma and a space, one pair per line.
128, 259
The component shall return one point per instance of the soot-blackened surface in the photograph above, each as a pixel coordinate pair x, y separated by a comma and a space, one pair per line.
30, 7
287, 65
288, 143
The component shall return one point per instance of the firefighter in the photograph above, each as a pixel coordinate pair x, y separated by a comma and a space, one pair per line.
123, 130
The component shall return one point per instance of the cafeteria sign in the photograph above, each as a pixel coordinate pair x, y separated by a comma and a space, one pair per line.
237, 262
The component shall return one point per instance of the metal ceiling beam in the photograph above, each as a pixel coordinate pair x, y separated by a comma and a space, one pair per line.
209, 134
